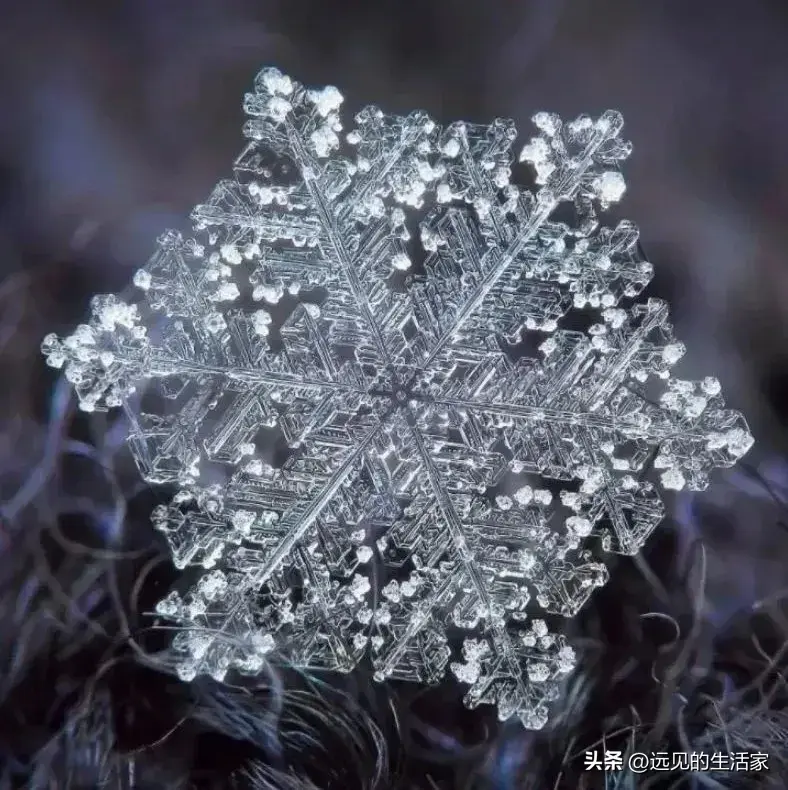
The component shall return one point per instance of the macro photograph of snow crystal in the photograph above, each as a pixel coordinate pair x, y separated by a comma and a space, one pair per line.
394, 395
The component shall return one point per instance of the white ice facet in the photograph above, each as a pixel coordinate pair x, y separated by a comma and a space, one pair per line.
368, 368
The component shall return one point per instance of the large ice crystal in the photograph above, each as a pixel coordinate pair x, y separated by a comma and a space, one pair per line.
406, 405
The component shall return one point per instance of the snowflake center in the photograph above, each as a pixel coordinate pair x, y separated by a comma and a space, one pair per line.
404, 393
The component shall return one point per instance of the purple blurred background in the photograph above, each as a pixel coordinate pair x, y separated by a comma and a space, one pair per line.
116, 118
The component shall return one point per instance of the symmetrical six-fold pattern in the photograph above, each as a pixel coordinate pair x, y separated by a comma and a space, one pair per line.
345, 389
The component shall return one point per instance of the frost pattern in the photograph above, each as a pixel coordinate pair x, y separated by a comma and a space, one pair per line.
406, 405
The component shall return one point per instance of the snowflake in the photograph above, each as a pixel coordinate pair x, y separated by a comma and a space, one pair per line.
403, 403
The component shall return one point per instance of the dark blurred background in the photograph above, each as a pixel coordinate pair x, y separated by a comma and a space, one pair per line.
117, 117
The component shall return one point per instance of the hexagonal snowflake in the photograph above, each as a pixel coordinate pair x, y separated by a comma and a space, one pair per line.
382, 367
